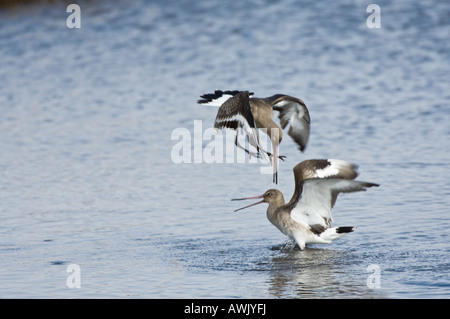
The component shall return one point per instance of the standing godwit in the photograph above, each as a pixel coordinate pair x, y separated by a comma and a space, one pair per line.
306, 218
239, 110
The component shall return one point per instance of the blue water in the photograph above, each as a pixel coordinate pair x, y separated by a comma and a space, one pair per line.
87, 176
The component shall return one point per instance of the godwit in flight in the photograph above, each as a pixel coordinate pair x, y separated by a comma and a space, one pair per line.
240, 111
306, 218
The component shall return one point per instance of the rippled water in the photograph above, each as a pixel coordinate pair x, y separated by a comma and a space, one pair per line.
87, 177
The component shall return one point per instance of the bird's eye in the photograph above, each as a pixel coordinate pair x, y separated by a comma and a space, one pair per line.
269, 194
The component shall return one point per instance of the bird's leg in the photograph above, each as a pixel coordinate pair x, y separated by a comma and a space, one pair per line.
281, 157
301, 244
246, 150
253, 139
274, 137
290, 245
275, 162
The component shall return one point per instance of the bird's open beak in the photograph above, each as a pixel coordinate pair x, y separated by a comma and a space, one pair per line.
255, 197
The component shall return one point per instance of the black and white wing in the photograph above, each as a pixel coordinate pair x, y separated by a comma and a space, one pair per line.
321, 168
293, 112
317, 199
235, 113
218, 97
324, 168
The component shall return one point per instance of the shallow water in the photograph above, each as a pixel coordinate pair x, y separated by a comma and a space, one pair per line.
87, 176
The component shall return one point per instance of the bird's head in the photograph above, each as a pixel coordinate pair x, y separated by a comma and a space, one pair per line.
272, 196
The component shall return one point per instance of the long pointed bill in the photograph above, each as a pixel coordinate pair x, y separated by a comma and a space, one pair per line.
255, 197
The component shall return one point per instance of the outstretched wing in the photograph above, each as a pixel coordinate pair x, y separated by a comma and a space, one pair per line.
324, 168
235, 113
218, 97
293, 112
317, 199
321, 168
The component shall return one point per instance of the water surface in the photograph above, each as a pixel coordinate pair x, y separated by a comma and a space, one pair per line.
87, 178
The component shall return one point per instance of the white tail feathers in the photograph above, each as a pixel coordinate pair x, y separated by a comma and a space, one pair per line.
334, 233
